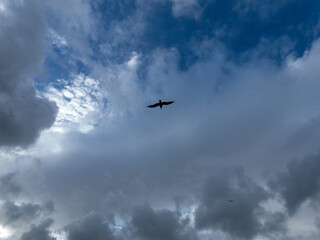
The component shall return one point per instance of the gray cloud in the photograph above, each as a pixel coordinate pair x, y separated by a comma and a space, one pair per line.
23, 114
9, 185
25, 211
299, 182
40, 232
160, 225
275, 225
91, 227
240, 218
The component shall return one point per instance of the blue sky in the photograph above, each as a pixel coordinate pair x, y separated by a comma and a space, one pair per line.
83, 158
287, 27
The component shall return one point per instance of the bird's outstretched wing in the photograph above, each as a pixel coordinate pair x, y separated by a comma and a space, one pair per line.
154, 105
167, 103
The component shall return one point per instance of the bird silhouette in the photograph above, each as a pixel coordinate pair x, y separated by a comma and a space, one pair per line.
230, 201
160, 104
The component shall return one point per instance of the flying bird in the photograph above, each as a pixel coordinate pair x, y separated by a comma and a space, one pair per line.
160, 104
230, 201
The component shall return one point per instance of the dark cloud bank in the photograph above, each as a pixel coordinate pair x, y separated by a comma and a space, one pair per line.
22, 113
300, 182
39, 232
91, 226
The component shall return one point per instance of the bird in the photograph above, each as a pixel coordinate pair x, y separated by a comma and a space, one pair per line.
160, 104
230, 201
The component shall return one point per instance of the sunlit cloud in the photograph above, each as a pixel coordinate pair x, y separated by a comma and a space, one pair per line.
5, 232
78, 101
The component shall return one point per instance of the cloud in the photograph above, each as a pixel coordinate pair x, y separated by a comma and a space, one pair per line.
275, 225
107, 152
40, 232
240, 218
73, 21
8, 185
160, 225
23, 114
299, 182
189, 8
24, 211
224, 114
90, 227
248, 215
142, 26
80, 101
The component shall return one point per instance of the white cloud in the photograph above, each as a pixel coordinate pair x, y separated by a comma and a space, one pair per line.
2, 7
5, 232
56, 39
80, 102
186, 8
134, 61
303, 223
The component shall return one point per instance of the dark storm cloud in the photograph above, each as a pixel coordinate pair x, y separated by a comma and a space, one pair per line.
299, 182
9, 185
22, 114
25, 211
91, 227
160, 225
40, 232
240, 218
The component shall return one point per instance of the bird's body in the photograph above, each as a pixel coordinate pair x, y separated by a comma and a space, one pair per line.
160, 104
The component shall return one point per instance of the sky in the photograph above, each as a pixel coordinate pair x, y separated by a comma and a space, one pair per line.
83, 158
